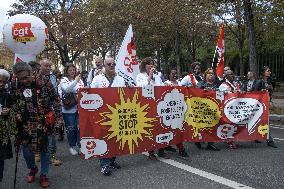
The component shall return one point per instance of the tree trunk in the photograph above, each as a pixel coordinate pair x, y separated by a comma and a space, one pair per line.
251, 35
159, 59
240, 37
177, 52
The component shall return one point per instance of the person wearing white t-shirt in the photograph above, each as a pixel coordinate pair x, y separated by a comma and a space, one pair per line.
96, 70
149, 76
70, 84
230, 86
192, 79
108, 78
173, 81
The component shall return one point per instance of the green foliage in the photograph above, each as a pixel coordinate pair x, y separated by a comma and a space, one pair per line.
176, 32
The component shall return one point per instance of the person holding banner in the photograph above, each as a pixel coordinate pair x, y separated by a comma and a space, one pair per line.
149, 76
37, 108
7, 121
250, 84
194, 77
192, 80
173, 81
108, 78
265, 84
209, 83
230, 86
68, 91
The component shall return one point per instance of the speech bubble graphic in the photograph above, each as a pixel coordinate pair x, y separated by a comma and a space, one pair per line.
148, 91
172, 109
92, 147
226, 131
202, 113
244, 111
164, 138
91, 102
263, 130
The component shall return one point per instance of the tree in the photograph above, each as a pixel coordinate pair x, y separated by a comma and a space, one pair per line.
251, 35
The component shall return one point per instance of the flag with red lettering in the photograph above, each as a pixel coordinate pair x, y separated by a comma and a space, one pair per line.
220, 48
126, 61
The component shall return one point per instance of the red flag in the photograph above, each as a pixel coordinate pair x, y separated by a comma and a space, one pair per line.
18, 60
220, 50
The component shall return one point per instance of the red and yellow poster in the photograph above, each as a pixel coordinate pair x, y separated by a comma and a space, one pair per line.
120, 121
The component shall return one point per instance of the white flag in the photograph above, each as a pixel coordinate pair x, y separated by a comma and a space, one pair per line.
126, 61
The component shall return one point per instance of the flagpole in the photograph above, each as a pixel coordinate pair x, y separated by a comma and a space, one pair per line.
214, 57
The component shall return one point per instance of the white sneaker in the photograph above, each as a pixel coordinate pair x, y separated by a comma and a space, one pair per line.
73, 151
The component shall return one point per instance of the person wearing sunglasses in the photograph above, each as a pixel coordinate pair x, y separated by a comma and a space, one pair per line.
108, 78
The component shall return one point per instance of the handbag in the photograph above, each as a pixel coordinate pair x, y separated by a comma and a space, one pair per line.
69, 100
50, 118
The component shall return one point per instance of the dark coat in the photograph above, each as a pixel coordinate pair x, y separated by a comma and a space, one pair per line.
264, 85
254, 85
5, 147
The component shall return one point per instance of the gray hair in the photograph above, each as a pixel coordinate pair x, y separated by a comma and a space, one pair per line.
21, 66
108, 58
44, 60
5, 74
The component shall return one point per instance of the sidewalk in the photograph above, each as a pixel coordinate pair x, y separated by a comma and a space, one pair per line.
277, 107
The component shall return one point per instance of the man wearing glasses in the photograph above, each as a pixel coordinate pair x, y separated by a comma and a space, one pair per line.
95, 71
108, 78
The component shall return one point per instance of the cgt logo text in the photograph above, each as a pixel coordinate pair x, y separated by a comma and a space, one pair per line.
22, 32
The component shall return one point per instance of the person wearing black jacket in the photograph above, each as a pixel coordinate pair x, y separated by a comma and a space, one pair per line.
250, 83
209, 83
7, 121
265, 84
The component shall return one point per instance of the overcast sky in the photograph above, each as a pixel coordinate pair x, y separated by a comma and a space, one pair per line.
4, 7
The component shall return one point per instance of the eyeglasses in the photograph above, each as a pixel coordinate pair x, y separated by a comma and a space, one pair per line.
110, 64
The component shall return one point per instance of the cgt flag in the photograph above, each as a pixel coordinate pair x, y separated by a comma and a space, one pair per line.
126, 61
220, 48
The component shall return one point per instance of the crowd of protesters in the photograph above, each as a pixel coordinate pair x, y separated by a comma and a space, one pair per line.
36, 104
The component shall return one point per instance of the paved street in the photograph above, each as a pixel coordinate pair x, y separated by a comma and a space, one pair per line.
251, 166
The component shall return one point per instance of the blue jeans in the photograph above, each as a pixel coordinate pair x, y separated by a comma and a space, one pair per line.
52, 143
30, 159
270, 138
72, 129
106, 161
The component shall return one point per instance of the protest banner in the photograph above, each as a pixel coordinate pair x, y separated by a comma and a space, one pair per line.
120, 121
